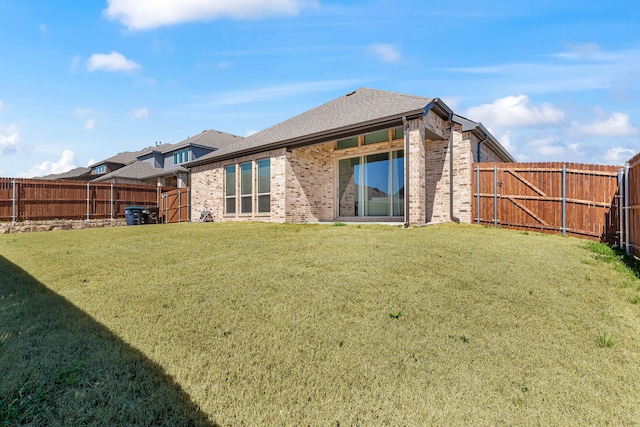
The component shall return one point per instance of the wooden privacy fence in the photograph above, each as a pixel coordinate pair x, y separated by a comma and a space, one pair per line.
175, 206
39, 199
632, 205
568, 198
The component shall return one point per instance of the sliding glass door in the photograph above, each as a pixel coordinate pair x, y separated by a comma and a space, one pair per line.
371, 185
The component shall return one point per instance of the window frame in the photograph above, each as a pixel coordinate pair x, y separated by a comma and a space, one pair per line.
234, 196
392, 135
260, 194
394, 203
181, 156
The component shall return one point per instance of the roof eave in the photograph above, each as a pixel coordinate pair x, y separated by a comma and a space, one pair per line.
330, 135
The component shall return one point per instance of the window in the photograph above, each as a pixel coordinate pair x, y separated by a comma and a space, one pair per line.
386, 135
264, 186
372, 138
348, 143
230, 190
100, 169
246, 188
371, 185
398, 133
181, 156
242, 179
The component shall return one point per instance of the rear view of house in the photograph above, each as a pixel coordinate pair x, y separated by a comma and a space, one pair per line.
369, 155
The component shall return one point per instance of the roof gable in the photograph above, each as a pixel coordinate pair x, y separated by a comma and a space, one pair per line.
356, 108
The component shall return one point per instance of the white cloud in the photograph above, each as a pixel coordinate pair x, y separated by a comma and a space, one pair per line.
223, 65
251, 132
618, 155
81, 112
616, 125
9, 138
64, 164
551, 150
139, 113
578, 68
90, 124
386, 52
1, 105
512, 111
505, 141
147, 14
90, 162
113, 61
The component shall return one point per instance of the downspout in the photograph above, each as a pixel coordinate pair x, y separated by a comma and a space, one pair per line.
405, 124
451, 215
479, 144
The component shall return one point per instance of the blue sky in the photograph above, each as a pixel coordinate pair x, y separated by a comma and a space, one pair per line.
553, 80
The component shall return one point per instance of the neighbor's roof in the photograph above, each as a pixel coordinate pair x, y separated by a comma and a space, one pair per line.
356, 110
139, 171
76, 173
211, 138
123, 158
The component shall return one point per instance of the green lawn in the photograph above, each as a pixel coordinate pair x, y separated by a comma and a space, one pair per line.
264, 324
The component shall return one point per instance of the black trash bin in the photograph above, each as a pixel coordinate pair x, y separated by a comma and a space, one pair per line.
134, 215
152, 213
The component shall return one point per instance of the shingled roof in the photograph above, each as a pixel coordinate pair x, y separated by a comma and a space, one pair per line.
139, 171
210, 138
356, 110
80, 173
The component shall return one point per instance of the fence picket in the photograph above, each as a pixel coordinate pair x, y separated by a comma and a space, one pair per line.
39, 199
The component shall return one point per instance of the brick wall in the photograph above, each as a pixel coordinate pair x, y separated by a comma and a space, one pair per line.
304, 187
207, 188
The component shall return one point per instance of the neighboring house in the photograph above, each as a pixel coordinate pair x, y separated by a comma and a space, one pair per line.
164, 164
98, 169
370, 155
77, 174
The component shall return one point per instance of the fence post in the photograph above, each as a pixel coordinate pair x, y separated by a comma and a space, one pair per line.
188, 204
627, 208
620, 207
495, 197
111, 201
13, 201
478, 194
88, 202
179, 205
564, 199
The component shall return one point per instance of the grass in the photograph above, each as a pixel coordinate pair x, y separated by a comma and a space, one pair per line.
264, 324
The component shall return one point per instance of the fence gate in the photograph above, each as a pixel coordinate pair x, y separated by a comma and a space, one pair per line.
568, 198
174, 206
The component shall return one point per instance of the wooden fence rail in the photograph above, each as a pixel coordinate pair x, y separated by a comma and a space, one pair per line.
39, 199
568, 198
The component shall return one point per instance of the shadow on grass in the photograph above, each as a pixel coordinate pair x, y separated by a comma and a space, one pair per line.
60, 367
631, 262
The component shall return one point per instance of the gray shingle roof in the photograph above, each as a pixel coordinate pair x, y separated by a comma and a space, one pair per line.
209, 138
78, 173
123, 158
356, 108
138, 171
